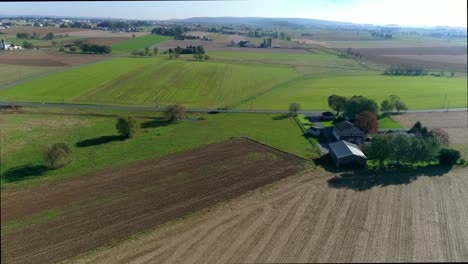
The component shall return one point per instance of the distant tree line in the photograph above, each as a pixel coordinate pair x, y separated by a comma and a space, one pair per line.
405, 70
176, 32
48, 36
190, 50
86, 47
204, 38
382, 35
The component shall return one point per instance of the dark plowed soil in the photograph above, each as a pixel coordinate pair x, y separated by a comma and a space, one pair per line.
60, 220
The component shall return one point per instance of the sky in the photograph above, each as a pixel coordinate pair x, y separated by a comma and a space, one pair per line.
379, 12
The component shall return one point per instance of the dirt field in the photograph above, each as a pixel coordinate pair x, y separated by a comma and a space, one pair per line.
447, 58
303, 219
103, 34
40, 30
51, 222
454, 123
48, 58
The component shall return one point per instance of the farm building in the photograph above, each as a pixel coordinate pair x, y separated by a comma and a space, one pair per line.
327, 116
348, 131
346, 154
6, 46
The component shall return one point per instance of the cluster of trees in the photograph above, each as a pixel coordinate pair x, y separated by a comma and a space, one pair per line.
189, 50
176, 32
48, 36
393, 102
382, 35
274, 35
406, 70
145, 52
94, 48
204, 38
352, 53
426, 146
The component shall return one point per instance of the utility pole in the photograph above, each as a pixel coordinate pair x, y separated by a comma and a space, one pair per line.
445, 98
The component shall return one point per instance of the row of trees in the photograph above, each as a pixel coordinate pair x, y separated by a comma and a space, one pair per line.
94, 48
382, 35
358, 104
48, 36
145, 52
426, 146
176, 32
405, 70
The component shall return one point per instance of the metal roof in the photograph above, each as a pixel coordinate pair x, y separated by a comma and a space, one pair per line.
344, 148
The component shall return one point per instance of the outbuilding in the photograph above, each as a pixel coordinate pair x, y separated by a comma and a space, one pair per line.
348, 131
346, 154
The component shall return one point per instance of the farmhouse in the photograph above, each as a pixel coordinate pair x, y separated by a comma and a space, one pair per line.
346, 154
348, 131
327, 116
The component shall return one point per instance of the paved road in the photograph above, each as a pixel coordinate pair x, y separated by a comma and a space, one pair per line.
159, 109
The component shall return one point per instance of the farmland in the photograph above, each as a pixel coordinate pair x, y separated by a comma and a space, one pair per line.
153, 192
11, 73
138, 43
150, 81
454, 123
417, 92
303, 219
96, 145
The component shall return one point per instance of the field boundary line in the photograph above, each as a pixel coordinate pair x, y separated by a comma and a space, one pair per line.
275, 148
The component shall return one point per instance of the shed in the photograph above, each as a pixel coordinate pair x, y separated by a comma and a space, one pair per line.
346, 154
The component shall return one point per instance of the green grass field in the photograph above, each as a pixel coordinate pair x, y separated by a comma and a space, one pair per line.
138, 43
417, 92
11, 73
24, 137
389, 123
153, 81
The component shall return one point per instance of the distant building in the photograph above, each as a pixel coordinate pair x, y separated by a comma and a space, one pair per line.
348, 131
346, 154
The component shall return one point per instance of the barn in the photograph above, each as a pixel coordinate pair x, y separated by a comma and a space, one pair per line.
346, 154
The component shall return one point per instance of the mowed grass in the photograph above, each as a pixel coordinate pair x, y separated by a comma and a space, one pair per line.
24, 137
154, 81
389, 123
417, 92
138, 43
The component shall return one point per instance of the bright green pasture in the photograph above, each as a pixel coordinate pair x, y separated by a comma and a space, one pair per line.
297, 58
24, 137
417, 92
138, 43
11, 73
154, 81
73, 83
389, 123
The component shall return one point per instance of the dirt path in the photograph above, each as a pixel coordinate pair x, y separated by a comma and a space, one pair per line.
302, 219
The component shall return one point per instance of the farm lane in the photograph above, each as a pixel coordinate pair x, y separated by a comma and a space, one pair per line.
160, 109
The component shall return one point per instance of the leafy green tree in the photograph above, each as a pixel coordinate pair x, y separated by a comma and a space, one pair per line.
336, 102
358, 104
399, 105
379, 149
174, 112
126, 126
155, 50
448, 157
386, 106
57, 155
294, 108
401, 146
146, 51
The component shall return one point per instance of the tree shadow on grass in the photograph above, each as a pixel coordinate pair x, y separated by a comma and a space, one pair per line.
156, 122
99, 141
22, 172
281, 117
367, 179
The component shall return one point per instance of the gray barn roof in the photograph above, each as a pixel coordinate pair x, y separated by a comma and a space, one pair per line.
344, 148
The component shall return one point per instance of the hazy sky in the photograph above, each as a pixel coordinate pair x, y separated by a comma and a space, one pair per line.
402, 12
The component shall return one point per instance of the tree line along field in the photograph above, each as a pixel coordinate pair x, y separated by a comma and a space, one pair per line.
231, 79
96, 145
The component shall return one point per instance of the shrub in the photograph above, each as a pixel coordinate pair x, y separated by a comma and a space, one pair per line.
448, 157
126, 126
174, 112
57, 155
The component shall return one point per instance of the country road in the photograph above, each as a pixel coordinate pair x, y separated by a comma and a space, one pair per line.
160, 109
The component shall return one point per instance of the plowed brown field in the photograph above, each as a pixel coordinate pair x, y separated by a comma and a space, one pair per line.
303, 219
41, 58
51, 222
